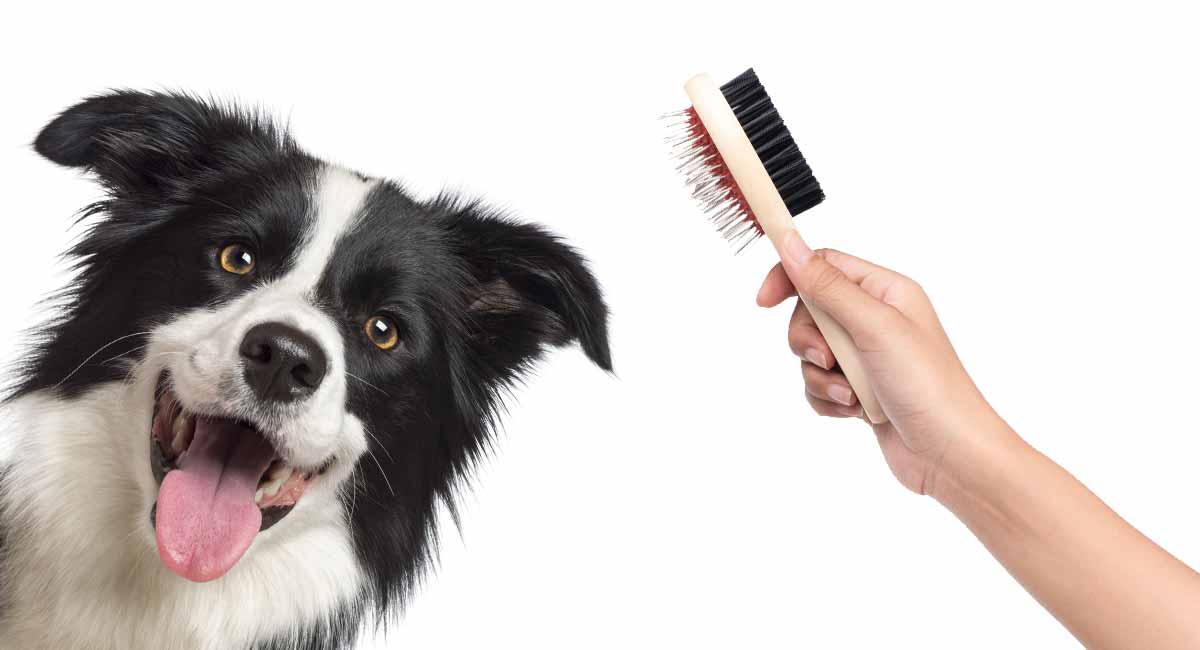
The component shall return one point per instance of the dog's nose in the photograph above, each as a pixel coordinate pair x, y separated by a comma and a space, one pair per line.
281, 363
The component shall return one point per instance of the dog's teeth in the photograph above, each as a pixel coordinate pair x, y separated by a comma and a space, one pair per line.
278, 471
272, 488
182, 430
277, 474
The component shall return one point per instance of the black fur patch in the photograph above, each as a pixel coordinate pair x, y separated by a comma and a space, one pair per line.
339, 631
477, 298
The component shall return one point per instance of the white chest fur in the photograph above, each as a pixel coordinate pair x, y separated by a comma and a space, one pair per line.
80, 565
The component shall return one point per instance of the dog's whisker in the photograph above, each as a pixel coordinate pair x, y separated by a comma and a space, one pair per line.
378, 443
382, 473
133, 369
98, 351
369, 384
125, 354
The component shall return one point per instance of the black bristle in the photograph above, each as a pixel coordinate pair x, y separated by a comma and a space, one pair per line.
773, 142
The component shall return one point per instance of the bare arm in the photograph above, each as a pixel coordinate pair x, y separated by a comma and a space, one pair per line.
1111, 586
1101, 578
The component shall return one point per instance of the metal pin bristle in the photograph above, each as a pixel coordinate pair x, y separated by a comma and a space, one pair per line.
709, 179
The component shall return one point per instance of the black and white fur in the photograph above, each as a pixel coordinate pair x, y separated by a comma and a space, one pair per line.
476, 296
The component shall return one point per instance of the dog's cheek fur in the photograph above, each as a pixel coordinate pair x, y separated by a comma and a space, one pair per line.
514, 291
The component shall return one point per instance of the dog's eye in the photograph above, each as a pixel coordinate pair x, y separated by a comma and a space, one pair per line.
382, 332
237, 259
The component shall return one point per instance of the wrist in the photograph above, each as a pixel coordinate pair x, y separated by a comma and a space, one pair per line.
983, 452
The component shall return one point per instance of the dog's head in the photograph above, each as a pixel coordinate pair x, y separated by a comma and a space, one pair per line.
304, 337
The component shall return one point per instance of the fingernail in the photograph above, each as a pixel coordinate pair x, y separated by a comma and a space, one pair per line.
841, 394
816, 356
795, 248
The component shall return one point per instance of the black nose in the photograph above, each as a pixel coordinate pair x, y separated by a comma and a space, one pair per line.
281, 363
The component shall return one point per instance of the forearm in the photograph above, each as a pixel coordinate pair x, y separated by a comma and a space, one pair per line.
1107, 583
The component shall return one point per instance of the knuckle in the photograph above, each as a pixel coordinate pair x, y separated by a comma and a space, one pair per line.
824, 280
912, 286
796, 339
905, 292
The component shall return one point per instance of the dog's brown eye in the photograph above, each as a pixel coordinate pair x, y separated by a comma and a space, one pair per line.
382, 332
237, 259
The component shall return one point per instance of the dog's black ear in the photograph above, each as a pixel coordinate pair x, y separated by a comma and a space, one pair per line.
530, 289
138, 141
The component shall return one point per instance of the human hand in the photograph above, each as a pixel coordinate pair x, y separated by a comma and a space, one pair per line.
1047, 529
931, 403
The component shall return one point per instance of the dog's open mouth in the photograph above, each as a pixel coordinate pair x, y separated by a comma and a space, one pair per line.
221, 480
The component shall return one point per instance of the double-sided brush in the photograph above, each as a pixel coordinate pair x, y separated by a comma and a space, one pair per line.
748, 174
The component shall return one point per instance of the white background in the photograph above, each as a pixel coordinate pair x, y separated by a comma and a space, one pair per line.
1034, 165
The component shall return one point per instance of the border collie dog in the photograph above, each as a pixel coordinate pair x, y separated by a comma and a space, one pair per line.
266, 376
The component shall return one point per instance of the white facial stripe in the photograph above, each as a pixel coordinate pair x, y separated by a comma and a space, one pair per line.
207, 377
339, 198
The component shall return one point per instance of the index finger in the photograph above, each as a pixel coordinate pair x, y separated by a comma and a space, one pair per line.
776, 288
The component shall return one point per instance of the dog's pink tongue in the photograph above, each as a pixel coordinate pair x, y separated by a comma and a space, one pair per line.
206, 517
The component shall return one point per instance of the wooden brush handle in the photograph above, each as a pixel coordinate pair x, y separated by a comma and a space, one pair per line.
772, 214
849, 360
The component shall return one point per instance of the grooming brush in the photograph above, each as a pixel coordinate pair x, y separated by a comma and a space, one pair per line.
750, 178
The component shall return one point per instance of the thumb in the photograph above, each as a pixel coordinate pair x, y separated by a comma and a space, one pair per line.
825, 286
